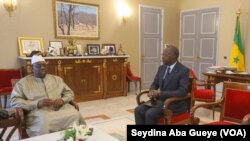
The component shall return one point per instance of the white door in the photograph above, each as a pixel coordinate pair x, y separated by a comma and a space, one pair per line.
151, 35
198, 41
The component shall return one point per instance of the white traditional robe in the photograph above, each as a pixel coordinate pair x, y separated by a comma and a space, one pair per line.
29, 90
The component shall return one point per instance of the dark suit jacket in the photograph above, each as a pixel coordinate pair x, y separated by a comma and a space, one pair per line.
175, 84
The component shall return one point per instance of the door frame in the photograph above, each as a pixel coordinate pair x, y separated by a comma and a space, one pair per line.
217, 24
162, 33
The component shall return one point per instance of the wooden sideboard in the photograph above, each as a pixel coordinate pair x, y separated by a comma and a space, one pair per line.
90, 77
220, 77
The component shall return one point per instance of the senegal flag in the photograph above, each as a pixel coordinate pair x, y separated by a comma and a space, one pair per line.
237, 53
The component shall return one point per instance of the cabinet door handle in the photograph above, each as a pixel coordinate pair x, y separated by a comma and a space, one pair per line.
114, 77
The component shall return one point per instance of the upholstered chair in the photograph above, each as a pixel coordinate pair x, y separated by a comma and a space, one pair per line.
203, 91
235, 103
168, 118
7, 76
130, 77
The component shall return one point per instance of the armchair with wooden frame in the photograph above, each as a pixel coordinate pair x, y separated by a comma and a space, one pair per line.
10, 125
21, 115
203, 90
168, 118
235, 103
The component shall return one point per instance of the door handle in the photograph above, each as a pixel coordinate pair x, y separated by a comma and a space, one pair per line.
142, 56
197, 58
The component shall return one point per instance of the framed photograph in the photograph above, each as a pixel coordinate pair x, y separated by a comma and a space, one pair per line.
29, 44
57, 45
75, 19
93, 49
109, 49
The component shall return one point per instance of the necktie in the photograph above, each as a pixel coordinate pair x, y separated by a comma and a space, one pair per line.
167, 72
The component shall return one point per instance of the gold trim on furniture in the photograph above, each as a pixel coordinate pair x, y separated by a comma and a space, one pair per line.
99, 89
83, 81
89, 61
104, 63
98, 67
28, 64
83, 61
59, 62
114, 77
59, 67
67, 68
78, 61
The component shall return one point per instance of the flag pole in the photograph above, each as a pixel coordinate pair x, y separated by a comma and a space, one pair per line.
238, 11
237, 53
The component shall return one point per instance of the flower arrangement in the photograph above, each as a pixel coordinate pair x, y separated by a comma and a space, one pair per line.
76, 133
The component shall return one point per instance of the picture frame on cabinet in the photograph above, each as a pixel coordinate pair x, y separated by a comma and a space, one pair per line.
28, 44
109, 49
93, 49
58, 46
84, 17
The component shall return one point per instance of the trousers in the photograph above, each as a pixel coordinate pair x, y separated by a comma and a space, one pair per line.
145, 115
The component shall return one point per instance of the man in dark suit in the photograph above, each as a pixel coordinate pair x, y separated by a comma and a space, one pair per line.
171, 80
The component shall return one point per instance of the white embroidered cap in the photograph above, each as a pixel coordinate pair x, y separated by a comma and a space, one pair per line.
37, 58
